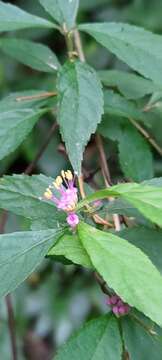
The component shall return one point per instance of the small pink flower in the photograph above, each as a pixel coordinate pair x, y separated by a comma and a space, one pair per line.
118, 307
97, 203
114, 299
73, 220
115, 310
121, 309
67, 196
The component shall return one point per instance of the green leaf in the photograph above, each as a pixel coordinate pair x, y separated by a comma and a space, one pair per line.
80, 107
15, 126
63, 11
115, 104
98, 339
71, 248
20, 253
13, 18
34, 55
122, 207
147, 199
139, 343
148, 240
153, 182
126, 269
138, 48
130, 85
134, 150
21, 195
92, 4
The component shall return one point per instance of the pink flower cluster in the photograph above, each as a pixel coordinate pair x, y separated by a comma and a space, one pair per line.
119, 308
67, 196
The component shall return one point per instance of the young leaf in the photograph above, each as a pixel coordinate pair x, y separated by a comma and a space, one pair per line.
138, 48
71, 247
20, 253
13, 18
126, 269
34, 55
98, 339
15, 126
21, 195
80, 107
147, 199
139, 343
63, 11
148, 240
130, 85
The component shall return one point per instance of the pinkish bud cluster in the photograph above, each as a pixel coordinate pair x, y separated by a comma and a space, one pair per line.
119, 308
73, 220
67, 196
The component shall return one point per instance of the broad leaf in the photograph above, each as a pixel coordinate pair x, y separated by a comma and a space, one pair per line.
130, 85
134, 150
20, 253
123, 207
71, 248
126, 269
139, 343
80, 108
15, 126
115, 104
32, 54
13, 18
21, 194
153, 182
63, 11
147, 199
98, 339
148, 240
138, 48
91, 4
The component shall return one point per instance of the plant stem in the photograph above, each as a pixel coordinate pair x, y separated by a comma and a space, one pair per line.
32, 97
32, 165
104, 165
78, 45
106, 176
140, 322
102, 283
11, 326
147, 136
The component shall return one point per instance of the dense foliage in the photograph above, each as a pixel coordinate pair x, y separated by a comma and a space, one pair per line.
81, 88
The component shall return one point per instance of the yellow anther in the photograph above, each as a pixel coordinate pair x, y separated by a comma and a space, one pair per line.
69, 175
63, 174
71, 207
58, 180
55, 185
48, 194
48, 190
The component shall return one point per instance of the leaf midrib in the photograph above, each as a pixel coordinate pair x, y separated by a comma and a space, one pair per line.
27, 250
